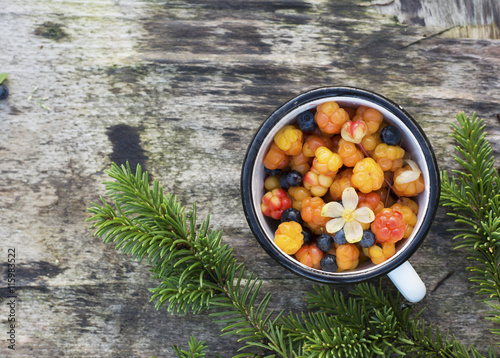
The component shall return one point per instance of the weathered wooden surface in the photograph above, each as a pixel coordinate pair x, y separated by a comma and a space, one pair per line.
181, 86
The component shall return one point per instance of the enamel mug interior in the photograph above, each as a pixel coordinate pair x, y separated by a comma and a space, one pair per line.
414, 142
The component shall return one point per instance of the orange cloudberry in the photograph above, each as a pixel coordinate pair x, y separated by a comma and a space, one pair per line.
367, 175
330, 117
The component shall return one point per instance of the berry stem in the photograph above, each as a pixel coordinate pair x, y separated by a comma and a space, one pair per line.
363, 150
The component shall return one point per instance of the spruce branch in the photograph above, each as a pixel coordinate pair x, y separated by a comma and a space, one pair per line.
472, 193
196, 272
196, 349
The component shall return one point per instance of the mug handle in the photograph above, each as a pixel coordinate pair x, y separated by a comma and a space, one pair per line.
408, 282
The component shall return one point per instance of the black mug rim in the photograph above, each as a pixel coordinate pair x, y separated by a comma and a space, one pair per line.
300, 100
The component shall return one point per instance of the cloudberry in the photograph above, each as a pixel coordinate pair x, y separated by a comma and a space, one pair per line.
341, 182
370, 200
326, 162
311, 212
271, 182
276, 158
288, 237
353, 131
330, 117
289, 140
380, 253
347, 257
367, 176
370, 116
412, 188
300, 163
310, 256
349, 153
388, 226
313, 142
409, 203
274, 202
370, 141
409, 218
318, 184
298, 194
389, 157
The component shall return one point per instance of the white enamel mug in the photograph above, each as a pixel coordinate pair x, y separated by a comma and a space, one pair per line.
398, 269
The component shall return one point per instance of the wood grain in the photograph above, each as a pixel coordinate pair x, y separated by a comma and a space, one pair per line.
180, 87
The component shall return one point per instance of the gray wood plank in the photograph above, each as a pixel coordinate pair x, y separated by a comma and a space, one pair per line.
180, 87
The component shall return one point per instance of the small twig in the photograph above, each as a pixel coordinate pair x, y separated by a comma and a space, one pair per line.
429, 37
39, 101
376, 4
440, 282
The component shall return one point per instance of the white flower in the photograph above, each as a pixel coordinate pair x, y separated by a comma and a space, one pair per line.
346, 216
408, 175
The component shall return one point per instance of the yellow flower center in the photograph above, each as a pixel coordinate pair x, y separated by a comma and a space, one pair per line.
348, 215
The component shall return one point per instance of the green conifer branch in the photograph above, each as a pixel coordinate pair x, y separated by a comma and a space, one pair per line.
196, 272
196, 349
472, 193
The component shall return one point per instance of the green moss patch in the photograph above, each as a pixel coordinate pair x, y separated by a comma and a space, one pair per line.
51, 30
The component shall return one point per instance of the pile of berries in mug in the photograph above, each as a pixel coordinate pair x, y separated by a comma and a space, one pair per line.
340, 184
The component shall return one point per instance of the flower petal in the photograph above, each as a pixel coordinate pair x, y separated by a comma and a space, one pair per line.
335, 225
332, 209
353, 232
413, 165
406, 177
349, 198
364, 215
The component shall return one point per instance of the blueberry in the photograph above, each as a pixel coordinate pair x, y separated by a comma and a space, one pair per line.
390, 135
306, 121
324, 242
4, 92
283, 182
294, 178
291, 178
339, 237
328, 263
272, 172
291, 214
368, 239
308, 235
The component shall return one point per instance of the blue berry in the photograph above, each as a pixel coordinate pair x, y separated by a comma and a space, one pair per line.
291, 214
4, 92
329, 263
306, 121
390, 135
368, 239
308, 235
294, 178
283, 182
324, 242
272, 172
291, 178
339, 237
